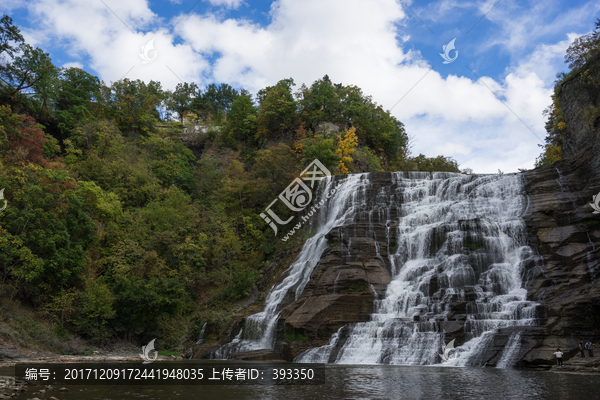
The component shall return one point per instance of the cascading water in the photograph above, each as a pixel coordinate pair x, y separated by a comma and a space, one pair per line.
260, 329
458, 250
201, 338
510, 351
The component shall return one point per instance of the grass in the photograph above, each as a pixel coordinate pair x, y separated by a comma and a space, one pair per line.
25, 328
392, 247
169, 353
295, 336
354, 287
592, 222
474, 246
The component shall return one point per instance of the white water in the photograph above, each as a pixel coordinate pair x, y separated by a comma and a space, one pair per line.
260, 328
483, 212
510, 351
464, 230
201, 338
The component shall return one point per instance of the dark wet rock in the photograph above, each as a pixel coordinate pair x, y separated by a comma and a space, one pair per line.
344, 284
566, 234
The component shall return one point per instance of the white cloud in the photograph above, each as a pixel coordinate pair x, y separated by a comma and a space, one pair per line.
520, 23
73, 64
110, 35
226, 3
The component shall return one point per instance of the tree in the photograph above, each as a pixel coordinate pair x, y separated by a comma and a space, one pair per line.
275, 164
131, 104
320, 148
8, 34
181, 98
46, 217
277, 109
583, 48
23, 140
555, 125
367, 160
76, 91
94, 309
216, 99
430, 164
320, 103
242, 120
31, 69
346, 147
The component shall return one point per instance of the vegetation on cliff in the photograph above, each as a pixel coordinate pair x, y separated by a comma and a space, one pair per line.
133, 211
580, 56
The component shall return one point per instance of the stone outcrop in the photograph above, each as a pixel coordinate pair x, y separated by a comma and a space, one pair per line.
342, 287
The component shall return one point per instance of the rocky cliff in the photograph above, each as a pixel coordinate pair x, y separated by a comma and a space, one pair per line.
565, 232
561, 276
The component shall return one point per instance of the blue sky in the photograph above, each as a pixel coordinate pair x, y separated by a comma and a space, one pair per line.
484, 108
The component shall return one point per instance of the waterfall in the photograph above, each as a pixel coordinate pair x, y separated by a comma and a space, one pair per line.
260, 328
466, 234
511, 351
201, 339
457, 250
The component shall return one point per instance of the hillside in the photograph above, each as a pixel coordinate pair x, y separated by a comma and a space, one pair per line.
133, 211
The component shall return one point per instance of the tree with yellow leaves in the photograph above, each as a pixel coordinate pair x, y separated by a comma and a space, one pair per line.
346, 147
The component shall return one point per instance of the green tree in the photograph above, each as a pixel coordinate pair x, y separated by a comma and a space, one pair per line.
430, 164
31, 69
77, 91
46, 217
131, 104
216, 99
241, 120
181, 99
10, 37
320, 103
140, 304
322, 149
94, 309
555, 125
276, 166
277, 109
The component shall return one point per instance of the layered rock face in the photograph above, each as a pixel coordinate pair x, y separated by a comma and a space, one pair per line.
566, 234
456, 255
402, 263
395, 270
564, 231
510, 280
